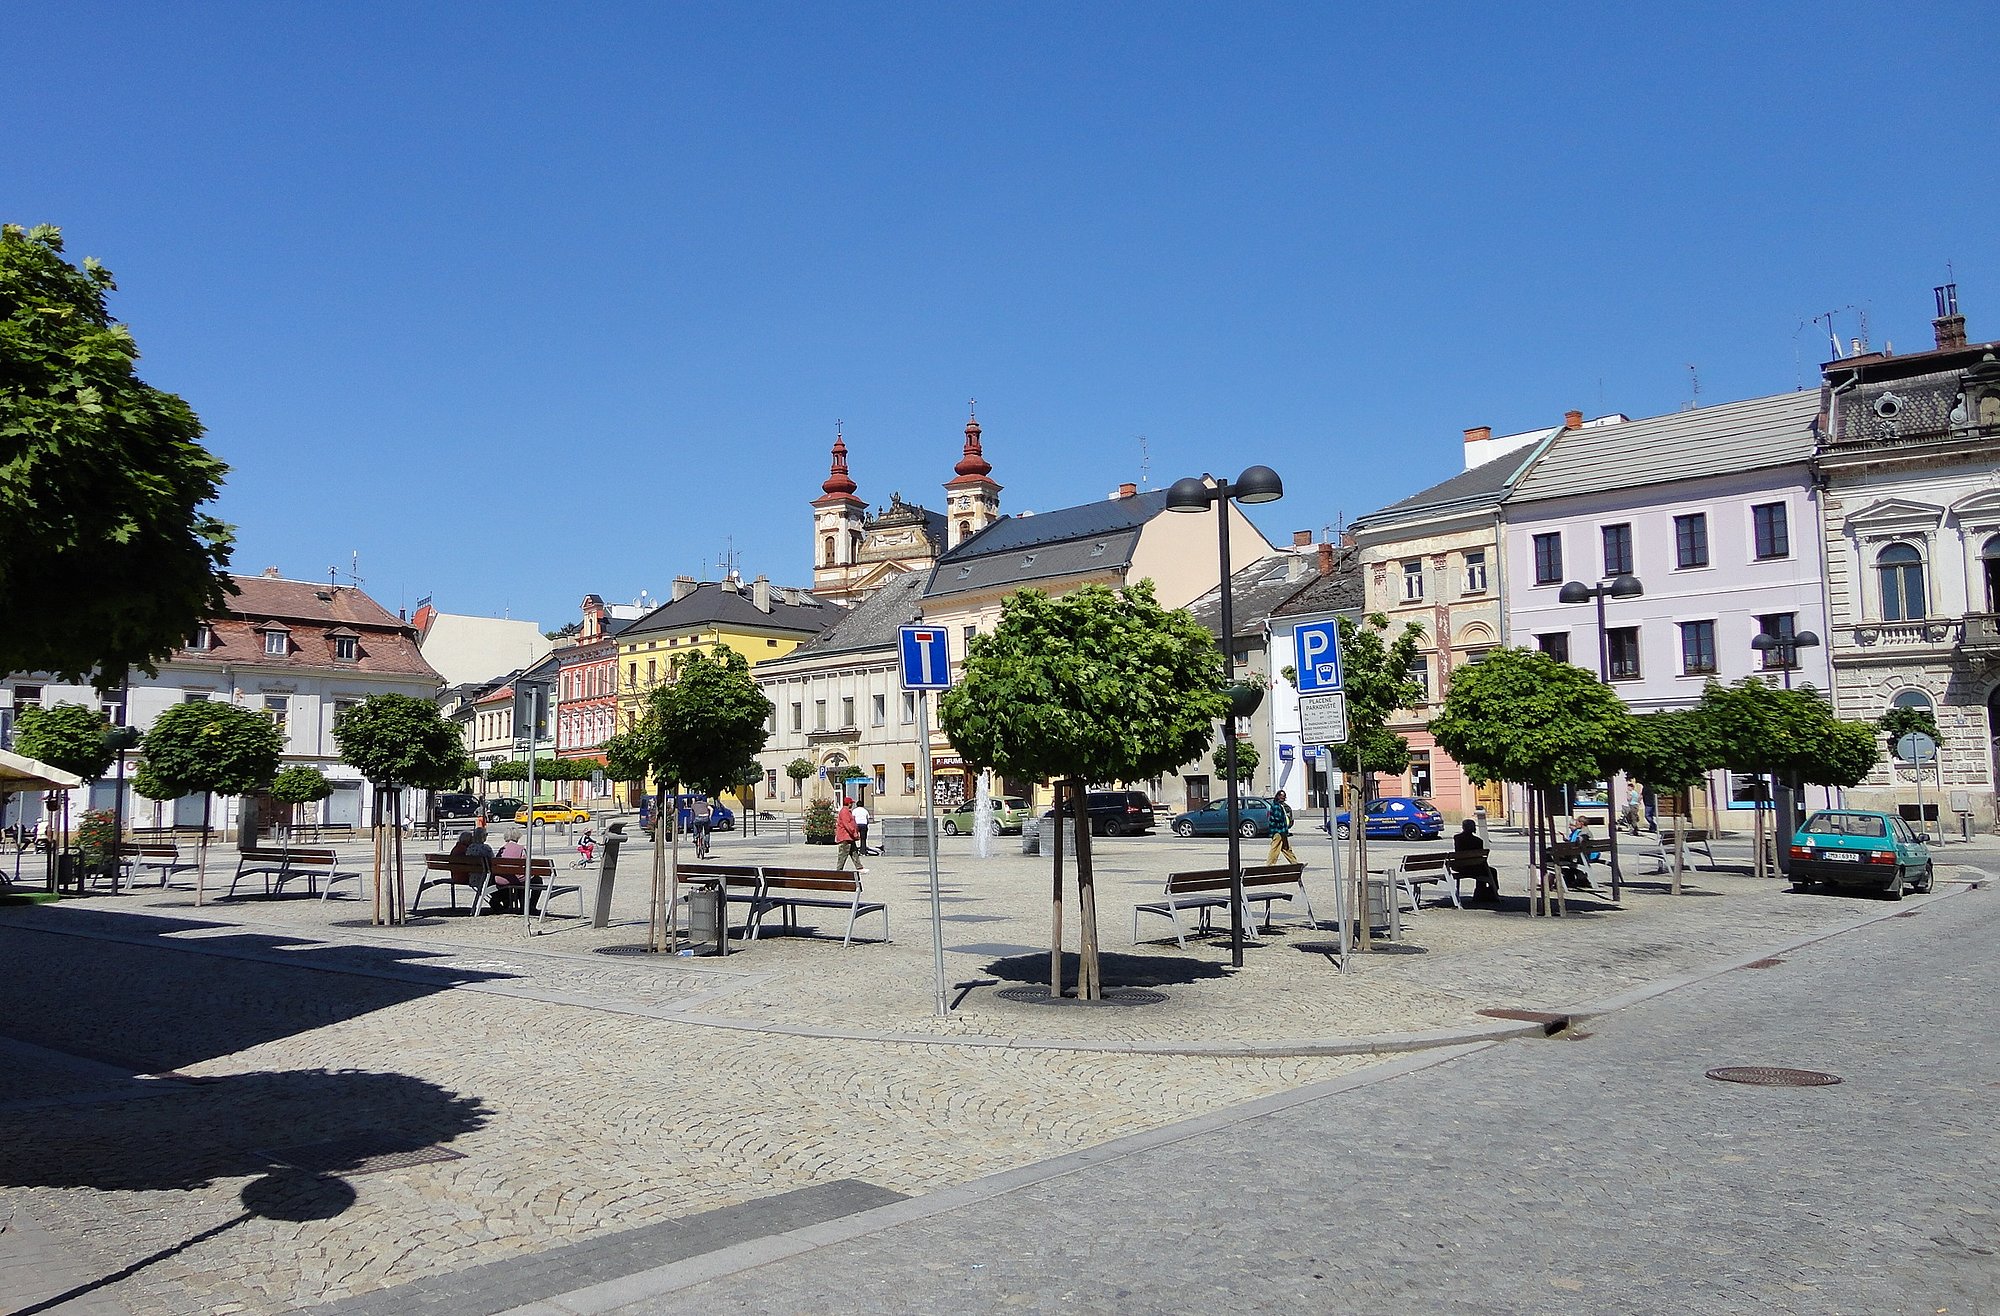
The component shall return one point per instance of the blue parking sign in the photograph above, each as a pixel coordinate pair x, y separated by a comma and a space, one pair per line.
1318, 644
926, 660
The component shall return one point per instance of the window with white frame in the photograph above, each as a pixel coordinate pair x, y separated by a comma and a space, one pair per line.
878, 709
1899, 572
1475, 571
276, 644
909, 707
278, 709
203, 638
1413, 580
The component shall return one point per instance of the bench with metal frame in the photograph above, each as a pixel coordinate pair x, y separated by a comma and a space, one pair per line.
793, 889
469, 872
278, 866
538, 881
147, 857
1661, 852
741, 884
1207, 890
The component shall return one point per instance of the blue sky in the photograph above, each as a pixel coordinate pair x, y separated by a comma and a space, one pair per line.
523, 301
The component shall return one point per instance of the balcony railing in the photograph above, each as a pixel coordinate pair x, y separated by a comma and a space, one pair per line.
1982, 632
1912, 636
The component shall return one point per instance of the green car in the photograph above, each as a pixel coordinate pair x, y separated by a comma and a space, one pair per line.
1860, 847
1008, 815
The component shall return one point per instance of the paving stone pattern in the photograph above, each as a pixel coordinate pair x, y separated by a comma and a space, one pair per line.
1585, 1175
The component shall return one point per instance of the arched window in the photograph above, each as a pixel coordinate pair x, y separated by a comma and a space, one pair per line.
1901, 571
829, 551
1989, 567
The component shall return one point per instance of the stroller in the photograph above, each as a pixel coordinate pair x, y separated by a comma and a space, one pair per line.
586, 849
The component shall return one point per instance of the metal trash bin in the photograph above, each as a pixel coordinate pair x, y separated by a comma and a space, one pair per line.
707, 934
1380, 914
1031, 836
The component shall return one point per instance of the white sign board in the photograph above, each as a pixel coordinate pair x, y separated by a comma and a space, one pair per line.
1323, 719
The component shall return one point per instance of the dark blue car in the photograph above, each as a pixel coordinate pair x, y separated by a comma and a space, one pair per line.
1396, 817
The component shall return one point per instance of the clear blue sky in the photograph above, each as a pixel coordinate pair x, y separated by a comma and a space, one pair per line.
526, 301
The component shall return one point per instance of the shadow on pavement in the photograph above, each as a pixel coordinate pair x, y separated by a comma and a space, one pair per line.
1118, 970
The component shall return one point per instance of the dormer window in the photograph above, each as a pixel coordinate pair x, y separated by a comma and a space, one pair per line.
346, 648
203, 638
277, 640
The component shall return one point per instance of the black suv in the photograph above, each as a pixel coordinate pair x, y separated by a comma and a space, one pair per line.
1117, 813
457, 804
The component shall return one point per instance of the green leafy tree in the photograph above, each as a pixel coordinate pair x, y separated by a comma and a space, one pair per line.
627, 757
65, 736
800, 770
1097, 685
400, 740
1900, 722
1518, 715
1668, 751
1375, 674
1790, 734
298, 785
102, 479
706, 724
209, 748
1246, 761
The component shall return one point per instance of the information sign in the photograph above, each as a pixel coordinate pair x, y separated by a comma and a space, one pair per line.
1323, 719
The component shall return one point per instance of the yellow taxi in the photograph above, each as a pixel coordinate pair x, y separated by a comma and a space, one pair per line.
553, 813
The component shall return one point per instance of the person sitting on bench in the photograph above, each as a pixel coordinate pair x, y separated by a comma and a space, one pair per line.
1470, 848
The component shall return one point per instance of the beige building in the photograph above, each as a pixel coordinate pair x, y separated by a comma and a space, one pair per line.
857, 552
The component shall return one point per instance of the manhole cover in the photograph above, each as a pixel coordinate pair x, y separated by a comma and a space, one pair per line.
361, 1154
1112, 996
1769, 1077
639, 950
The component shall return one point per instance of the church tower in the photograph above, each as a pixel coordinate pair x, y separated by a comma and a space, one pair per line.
837, 526
971, 497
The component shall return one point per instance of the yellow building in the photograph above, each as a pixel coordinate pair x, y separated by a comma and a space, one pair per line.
758, 620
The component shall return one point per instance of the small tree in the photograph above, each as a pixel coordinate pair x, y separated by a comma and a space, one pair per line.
1668, 751
627, 757
69, 737
398, 741
1246, 761
1095, 686
698, 731
208, 748
107, 562
1518, 715
298, 785
1375, 676
799, 770
1900, 722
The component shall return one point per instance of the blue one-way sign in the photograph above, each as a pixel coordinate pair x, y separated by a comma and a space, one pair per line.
926, 661
1319, 657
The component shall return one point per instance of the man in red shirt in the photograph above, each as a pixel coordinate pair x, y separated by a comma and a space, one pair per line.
847, 835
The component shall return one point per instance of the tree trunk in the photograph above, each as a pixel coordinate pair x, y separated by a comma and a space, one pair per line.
1056, 897
396, 831
1680, 854
376, 915
201, 856
1089, 981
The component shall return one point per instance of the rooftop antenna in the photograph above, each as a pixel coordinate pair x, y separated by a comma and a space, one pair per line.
354, 569
1694, 383
1832, 335
729, 556
1145, 462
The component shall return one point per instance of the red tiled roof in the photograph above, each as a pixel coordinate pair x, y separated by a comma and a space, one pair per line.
311, 616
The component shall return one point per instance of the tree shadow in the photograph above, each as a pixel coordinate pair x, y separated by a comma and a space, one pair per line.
1118, 969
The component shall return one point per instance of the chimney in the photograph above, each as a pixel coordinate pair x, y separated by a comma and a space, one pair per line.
1950, 325
1572, 420
271, 573
1301, 538
1128, 490
1479, 434
683, 586
1325, 558
1298, 567
760, 593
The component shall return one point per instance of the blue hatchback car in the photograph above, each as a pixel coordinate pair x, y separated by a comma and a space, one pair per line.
1395, 817
1253, 818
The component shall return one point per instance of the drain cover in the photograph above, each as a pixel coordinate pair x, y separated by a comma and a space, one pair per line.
1768, 1077
1112, 996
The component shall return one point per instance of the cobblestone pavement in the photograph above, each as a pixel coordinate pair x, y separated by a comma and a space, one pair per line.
1577, 1175
234, 1108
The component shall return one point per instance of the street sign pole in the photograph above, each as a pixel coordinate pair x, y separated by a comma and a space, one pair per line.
1323, 723
926, 667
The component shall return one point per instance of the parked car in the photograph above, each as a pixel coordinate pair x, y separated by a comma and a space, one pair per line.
551, 813
1008, 815
504, 807
1860, 847
456, 804
1394, 817
1116, 813
721, 817
1253, 818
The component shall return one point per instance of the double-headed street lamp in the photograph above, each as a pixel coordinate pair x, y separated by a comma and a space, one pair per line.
1575, 591
1784, 651
1257, 484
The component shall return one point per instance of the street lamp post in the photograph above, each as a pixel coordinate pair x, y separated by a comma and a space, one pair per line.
1575, 591
1784, 650
1257, 484
119, 739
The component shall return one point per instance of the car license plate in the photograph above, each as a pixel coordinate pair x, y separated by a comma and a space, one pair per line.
1841, 856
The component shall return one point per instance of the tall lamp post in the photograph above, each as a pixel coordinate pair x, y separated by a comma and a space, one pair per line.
1784, 651
1575, 591
1257, 484
119, 739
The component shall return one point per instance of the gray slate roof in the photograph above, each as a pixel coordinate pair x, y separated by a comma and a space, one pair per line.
1686, 445
1482, 484
1021, 550
1266, 589
713, 603
870, 625
1341, 590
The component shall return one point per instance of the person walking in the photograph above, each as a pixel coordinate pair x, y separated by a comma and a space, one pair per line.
1281, 831
847, 837
861, 821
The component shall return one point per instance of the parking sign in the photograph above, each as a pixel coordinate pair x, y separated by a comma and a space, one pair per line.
1319, 657
926, 660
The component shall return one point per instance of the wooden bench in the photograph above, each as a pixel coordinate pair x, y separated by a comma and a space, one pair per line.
443, 870
278, 866
324, 831
1571, 861
540, 881
1661, 852
1447, 868
741, 884
793, 889
1207, 890
150, 857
